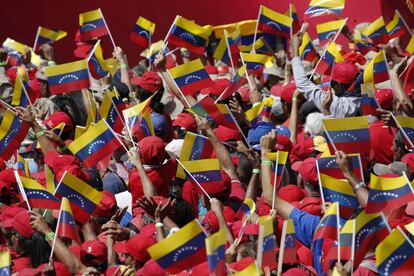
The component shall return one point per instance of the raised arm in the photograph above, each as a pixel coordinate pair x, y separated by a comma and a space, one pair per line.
123, 64
217, 208
147, 185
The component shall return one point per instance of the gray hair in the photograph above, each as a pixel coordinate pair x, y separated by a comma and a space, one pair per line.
313, 124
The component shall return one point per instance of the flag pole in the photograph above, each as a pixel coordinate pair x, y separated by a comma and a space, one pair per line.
405, 23
24, 90
228, 49
238, 127
290, 14
168, 33
178, 88
36, 39
247, 74
93, 50
192, 177
257, 27
116, 136
320, 182
128, 129
338, 232
109, 32
282, 248
403, 131
329, 138
56, 233
172, 51
275, 181
19, 183
8, 106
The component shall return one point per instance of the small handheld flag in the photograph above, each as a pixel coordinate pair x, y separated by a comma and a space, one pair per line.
288, 248
368, 101
328, 59
406, 125
274, 23
215, 246
396, 26
256, 62
376, 71
327, 165
47, 36
328, 30
142, 32
20, 96
12, 133
266, 247
111, 110
376, 31
206, 172
322, 7
92, 25
238, 81
5, 263
67, 226
96, 62
306, 50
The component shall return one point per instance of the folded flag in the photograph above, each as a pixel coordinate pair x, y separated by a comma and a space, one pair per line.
68, 77
83, 197
370, 230
368, 101
396, 26
48, 36
153, 51
348, 134
191, 77
187, 34
5, 263
274, 23
142, 32
335, 190
206, 172
291, 12
227, 50
218, 112
406, 124
322, 7
36, 195
328, 59
410, 46
237, 81
279, 159
362, 44
254, 114
306, 50
327, 31
259, 46
386, 194
376, 31
92, 25
51, 182
96, 63
267, 242
111, 110
95, 144
247, 28
327, 165
23, 165
376, 70
12, 133
20, 96
181, 250
395, 254
133, 115
67, 226
93, 114
216, 247
256, 62
288, 243
247, 209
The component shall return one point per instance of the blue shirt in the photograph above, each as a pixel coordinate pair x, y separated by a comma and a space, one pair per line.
305, 225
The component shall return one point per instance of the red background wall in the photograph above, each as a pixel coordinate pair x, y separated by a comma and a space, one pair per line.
19, 19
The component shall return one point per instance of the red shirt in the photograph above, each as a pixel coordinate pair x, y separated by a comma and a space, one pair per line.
381, 141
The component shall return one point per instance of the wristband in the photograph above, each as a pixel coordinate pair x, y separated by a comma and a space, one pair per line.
294, 99
49, 236
51, 63
266, 163
40, 133
359, 186
159, 224
256, 171
2, 64
122, 66
64, 148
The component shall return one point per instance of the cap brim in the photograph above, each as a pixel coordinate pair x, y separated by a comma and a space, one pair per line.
295, 166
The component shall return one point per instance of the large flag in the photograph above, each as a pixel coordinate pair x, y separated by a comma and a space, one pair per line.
68, 77
368, 101
406, 124
92, 25
37, 195
387, 194
288, 243
67, 226
181, 250
370, 230
306, 50
327, 31
279, 159
321, 7
83, 197
329, 58
267, 242
237, 81
395, 254
48, 36
218, 112
12, 134
376, 70
95, 144
20, 96
111, 110
191, 77
216, 248
96, 62
350, 135
335, 190
5, 263
206, 172
274, 23
396, 27
187, 34
327, 165
142, 32
376, 31
256, 62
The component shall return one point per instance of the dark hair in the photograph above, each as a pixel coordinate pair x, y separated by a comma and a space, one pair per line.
155, 104
184, 212
246, 166
36, 248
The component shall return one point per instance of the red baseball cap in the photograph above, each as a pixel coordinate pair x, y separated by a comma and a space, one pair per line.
291, 193
107, 206
244, 93
60, 269
95, 248
152, 149
311, 205
211, 70
186, 121
137, 245
409, 160
21, 223
225, 134
344, 72
219, 86
384, 97
308, 170
152, 268
222, 70
287, 92
149, 81
59, 117
211, 222
7, 215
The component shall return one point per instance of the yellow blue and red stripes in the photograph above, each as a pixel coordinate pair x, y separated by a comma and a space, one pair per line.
321, 7
215, 246
274, 22
12, 134
67, 225
92, 25
96, 63
48, 36
37, 195
328, 30
142, 32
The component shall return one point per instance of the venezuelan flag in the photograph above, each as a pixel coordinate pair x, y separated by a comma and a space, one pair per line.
48, 36
5, 263
307, 50
362, 44
191, 77
289, 244
20, 96
279, 159
328, 30
83, 197
227, 50
216, 247
347, 240
267, 242
406, 124
255, 62
142, 32
67, 77
291, 12
23, 165
410, 46
248, 207
396, 26
274, 23
110, 110
329, 225
218, 30
254, 113
96, 62
247, 29
329, 58
50, 180
95, 144
59, 129
259, 46
222, 52
237, 81
387, 194
340, 191
15, 50
181, 250
321, 7
368, 101
187, 34
375, 72
144, 128
349, 134
153, 51
92, 25
205, 171
132, 114
12, 134
370, 230
376, 31
395, 254
327, 165
67, 226
93, 114
36, 195
250, 270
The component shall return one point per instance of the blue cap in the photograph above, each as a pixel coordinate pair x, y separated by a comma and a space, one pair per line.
160, 124
258, 131
283, 130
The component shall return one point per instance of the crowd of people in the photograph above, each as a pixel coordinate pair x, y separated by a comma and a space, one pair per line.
115, 239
